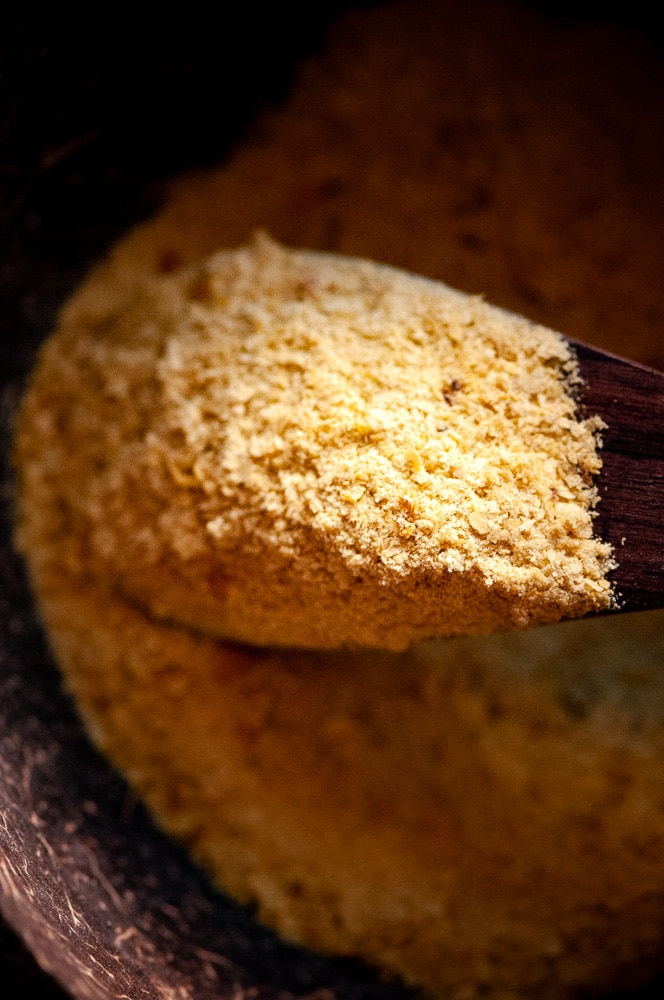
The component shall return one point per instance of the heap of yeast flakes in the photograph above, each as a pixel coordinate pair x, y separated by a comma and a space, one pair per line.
288, 447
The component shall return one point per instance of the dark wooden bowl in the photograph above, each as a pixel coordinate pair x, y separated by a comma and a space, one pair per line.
96, 113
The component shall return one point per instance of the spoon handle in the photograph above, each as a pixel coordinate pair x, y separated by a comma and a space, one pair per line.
630, 400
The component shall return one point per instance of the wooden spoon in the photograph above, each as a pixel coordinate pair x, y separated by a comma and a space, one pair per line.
630, 399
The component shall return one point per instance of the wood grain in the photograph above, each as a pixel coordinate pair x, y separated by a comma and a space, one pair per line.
630, 399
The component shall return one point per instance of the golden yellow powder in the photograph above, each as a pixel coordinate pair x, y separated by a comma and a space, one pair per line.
286, 447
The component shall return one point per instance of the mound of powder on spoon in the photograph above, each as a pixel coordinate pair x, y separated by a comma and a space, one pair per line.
287, 447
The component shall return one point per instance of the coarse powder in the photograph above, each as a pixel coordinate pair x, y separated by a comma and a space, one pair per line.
293, 448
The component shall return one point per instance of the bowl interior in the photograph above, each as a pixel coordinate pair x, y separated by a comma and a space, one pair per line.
96, 121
